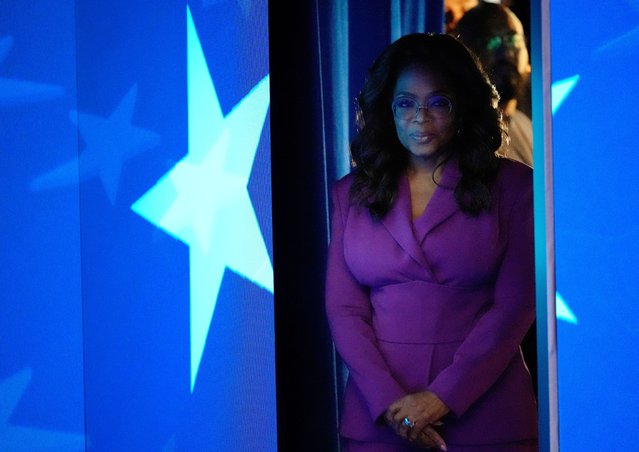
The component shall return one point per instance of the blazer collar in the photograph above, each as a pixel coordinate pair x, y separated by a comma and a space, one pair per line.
399, 223
398, 220
442, 204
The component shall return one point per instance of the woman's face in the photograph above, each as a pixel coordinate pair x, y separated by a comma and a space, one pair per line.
423, 113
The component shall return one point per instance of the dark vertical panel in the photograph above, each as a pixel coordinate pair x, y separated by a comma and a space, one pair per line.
435, 16
369, 33
335, 68
304, 353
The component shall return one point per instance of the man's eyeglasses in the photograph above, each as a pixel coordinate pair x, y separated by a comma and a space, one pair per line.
407, 108
510, 40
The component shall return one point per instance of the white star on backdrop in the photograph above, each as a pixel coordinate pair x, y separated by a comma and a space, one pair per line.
559, 92
204, 201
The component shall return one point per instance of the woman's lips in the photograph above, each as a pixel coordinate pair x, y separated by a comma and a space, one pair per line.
422, 137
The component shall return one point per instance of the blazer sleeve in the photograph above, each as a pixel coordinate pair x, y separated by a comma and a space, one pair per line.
495, 338
349, 315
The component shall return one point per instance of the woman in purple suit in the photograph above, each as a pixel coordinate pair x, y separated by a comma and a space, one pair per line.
430, 276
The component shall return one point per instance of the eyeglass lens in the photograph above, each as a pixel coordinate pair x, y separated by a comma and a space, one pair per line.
408, 108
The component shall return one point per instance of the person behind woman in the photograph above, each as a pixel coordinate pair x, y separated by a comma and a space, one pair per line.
430, 272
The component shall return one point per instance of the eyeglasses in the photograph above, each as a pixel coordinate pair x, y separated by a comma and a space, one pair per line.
407, 108
510, 40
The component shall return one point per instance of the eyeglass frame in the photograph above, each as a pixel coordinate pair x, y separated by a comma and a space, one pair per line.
419, 106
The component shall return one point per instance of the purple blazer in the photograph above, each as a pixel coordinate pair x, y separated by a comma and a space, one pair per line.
440, 303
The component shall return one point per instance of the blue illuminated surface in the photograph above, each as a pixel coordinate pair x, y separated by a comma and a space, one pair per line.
15, 438
97, 347
41, 392
109, 143
204, 202
16, 92
594, 51
244, 5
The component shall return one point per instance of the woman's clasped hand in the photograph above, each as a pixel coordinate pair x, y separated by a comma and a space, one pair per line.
416, 417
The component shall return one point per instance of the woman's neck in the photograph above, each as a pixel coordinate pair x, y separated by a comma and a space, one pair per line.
419, 167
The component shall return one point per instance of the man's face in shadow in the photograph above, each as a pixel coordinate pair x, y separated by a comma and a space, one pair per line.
504, 54
497, 37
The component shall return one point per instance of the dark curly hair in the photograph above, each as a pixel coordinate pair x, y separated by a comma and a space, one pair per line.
378, 157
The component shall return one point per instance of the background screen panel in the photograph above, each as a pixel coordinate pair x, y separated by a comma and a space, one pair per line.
137, 302
176, 229
41, 370
595, 93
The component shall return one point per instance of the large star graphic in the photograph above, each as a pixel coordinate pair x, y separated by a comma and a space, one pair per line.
560, 90
17, 439
16, 92
203, 200
109, 143
563, 310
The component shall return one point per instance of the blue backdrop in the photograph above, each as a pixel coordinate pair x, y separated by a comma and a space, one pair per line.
595, 53
135, 174
137, 279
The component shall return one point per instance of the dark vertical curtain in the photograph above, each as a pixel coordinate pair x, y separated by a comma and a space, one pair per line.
305, 371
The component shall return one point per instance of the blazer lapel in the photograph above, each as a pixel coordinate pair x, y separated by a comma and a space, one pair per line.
399, 224
442, 204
